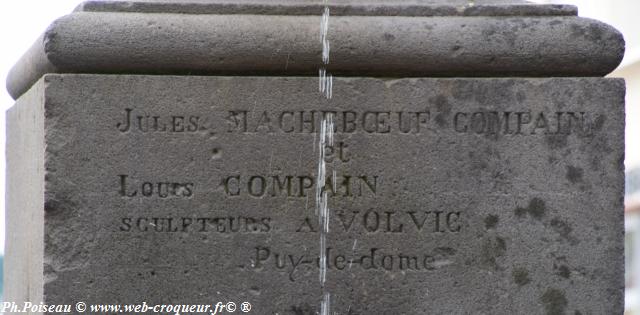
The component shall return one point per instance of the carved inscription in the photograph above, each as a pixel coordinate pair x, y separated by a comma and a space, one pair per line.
222, 224
299, 185
131, 188
241, 185
374, 259
148, 123
379, 122
373, 221
520, 123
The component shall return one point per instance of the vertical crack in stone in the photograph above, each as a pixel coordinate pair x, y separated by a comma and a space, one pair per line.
325, 87
322, 207
321, 199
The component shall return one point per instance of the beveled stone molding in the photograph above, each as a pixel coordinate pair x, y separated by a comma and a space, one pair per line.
339, 7
378, 46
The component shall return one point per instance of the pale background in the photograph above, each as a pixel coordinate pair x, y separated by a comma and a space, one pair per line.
22, 21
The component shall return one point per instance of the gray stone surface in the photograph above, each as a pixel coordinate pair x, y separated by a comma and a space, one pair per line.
236, 44
346, 7
522, 218
24, 245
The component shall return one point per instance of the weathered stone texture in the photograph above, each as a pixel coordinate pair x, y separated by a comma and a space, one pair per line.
378, 46
517, 218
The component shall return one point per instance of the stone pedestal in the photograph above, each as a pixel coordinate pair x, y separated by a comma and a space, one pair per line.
463, 178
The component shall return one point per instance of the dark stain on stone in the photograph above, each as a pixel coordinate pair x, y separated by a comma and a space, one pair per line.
521, 96
559, 258
388, 37
577, 30
558, 141
51, 205
599, 122
601, 144
563, 271
620, 162
510, 37
555, 22
444, 251
536, 209
493, 248
443, 107
521, 276
491, 221
564, 229
592, 32
595, 32
577, 313
456, 50
490, 31
574, 174
464, 90
441, 120
478, 161
301, 310
55, 203
554, 302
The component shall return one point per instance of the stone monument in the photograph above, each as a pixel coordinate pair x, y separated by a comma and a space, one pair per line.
468, 158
